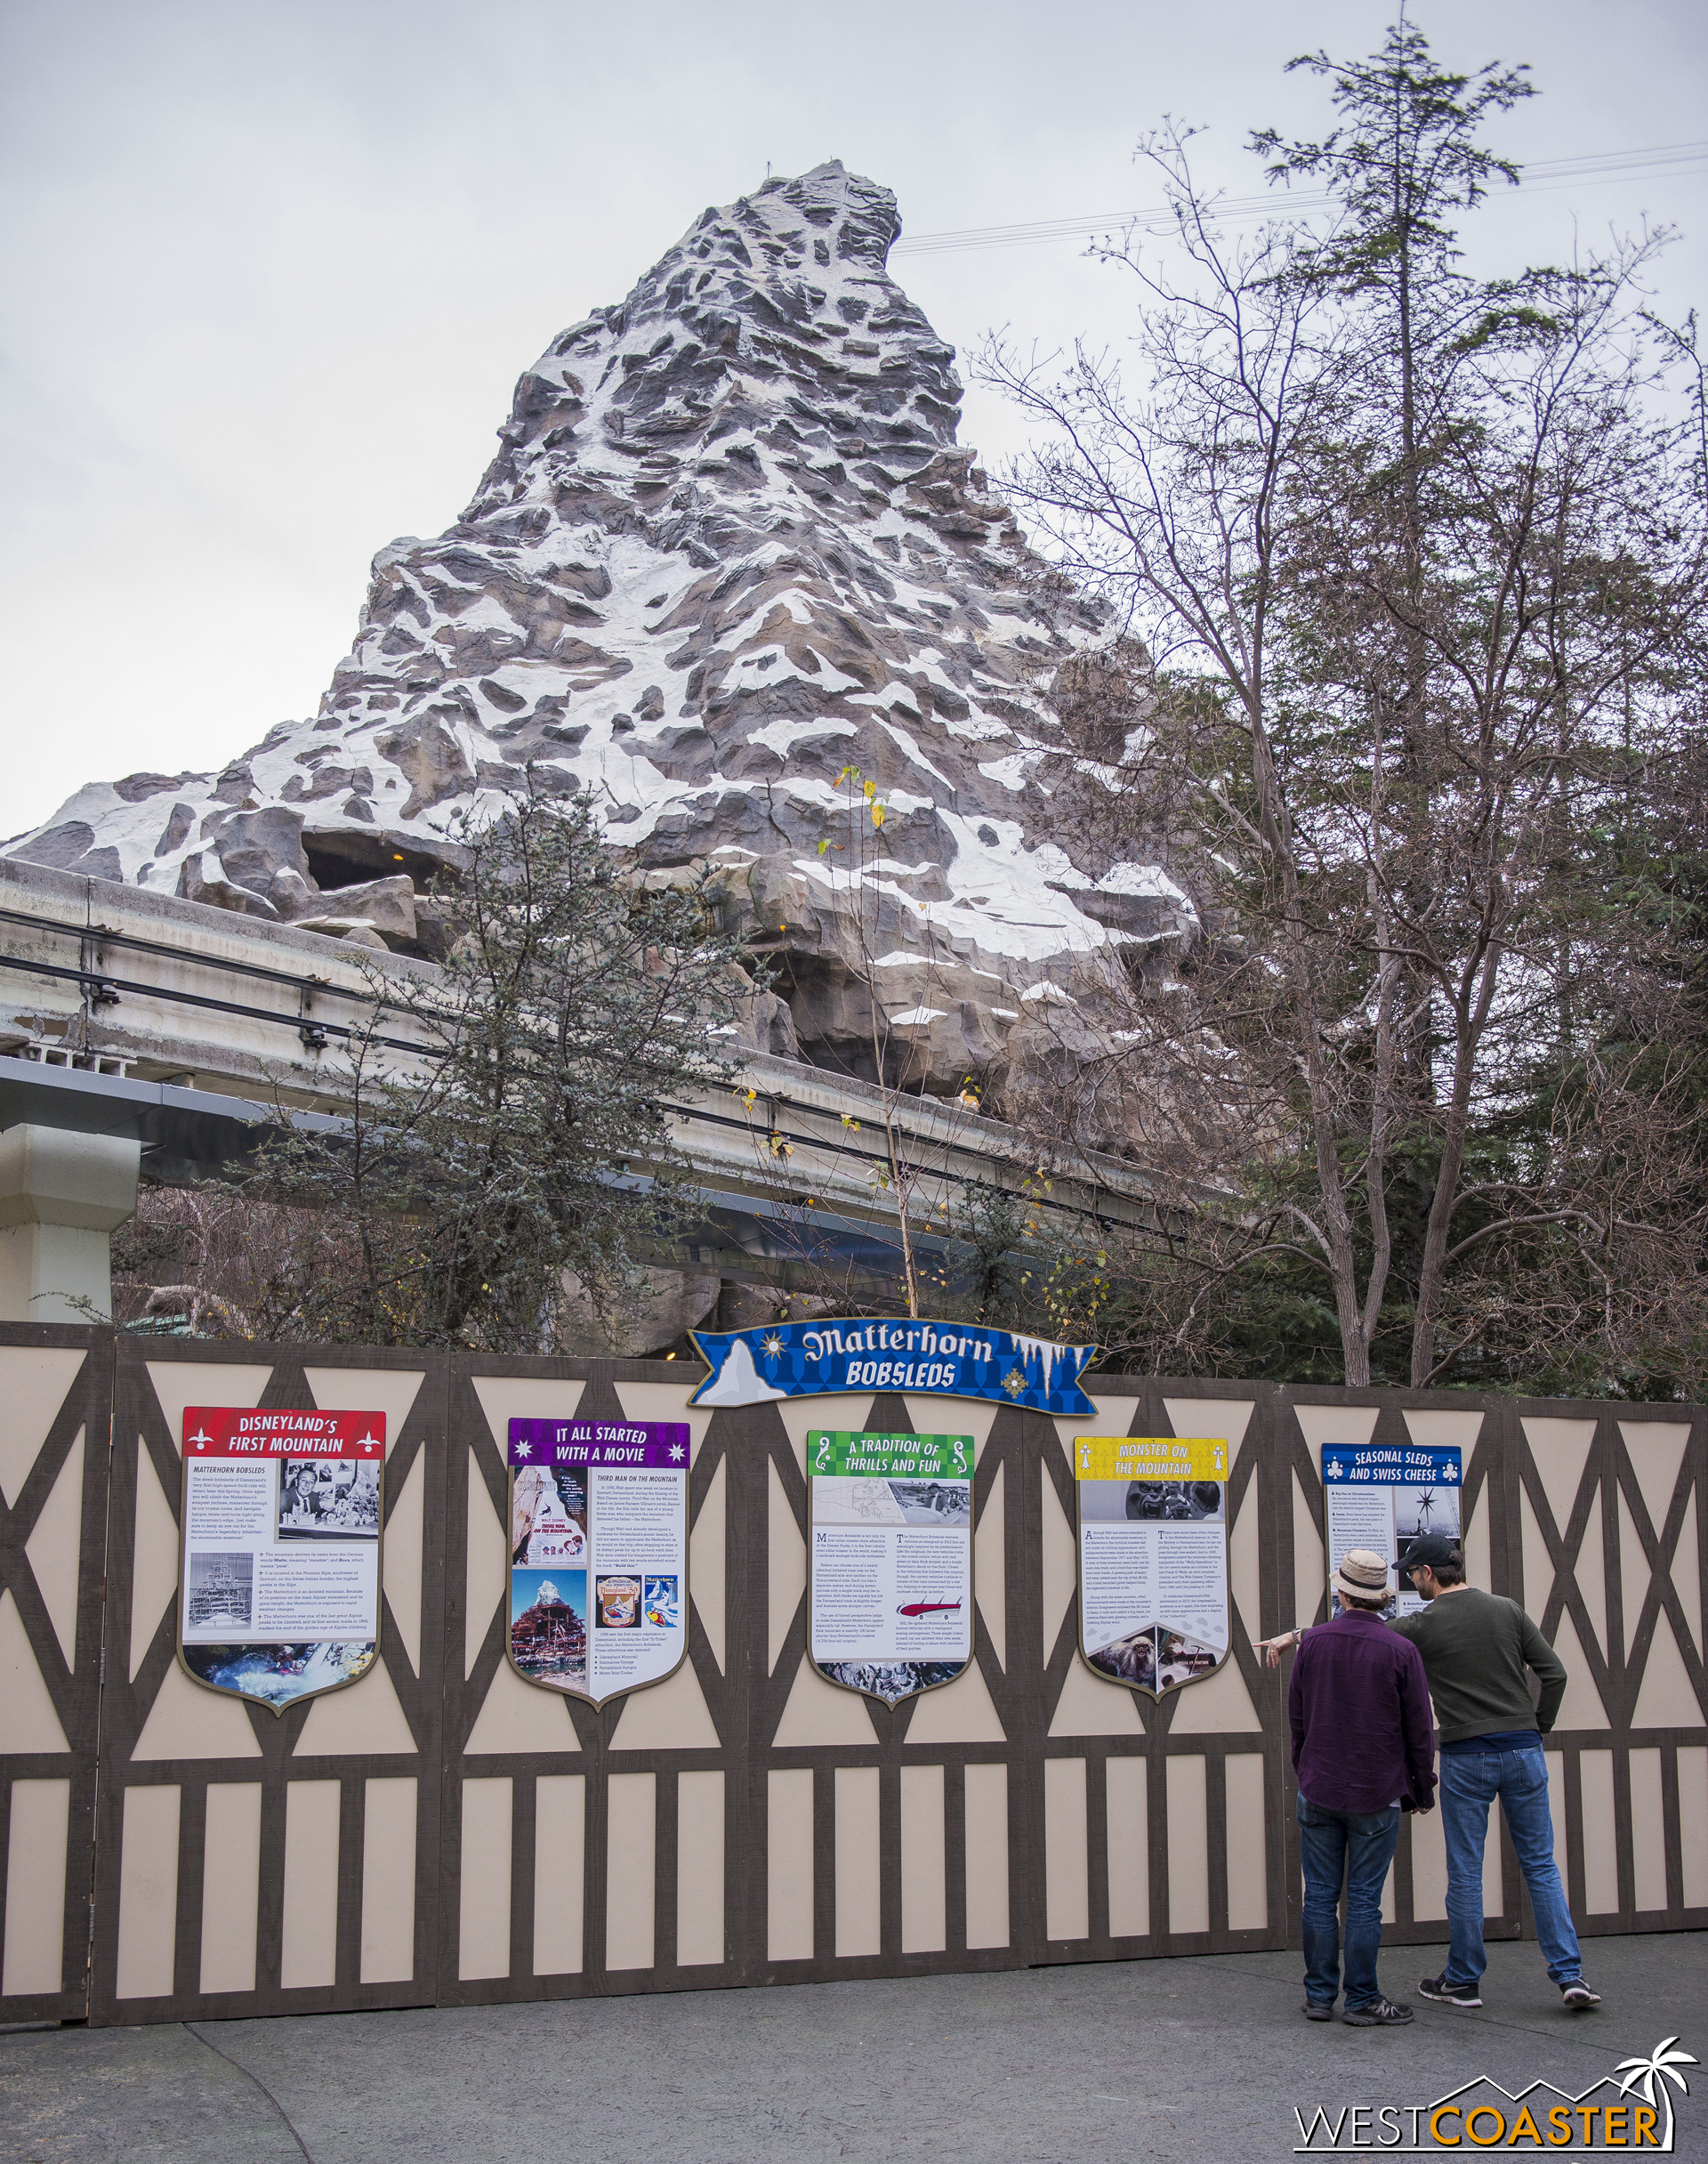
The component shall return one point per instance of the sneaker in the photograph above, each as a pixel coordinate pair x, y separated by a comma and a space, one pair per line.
1578, 1995
1447, 1994
1379, 2013
1319, 2009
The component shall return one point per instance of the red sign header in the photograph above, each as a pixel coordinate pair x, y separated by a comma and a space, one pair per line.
239, 1431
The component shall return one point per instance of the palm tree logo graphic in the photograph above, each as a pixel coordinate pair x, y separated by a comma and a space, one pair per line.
1662, 2066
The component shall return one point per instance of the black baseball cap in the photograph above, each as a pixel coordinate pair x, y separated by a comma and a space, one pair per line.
1430, 1548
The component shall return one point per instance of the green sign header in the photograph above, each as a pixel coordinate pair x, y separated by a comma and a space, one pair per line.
906, 1457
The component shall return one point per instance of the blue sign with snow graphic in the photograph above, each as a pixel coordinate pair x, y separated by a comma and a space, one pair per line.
945, 1359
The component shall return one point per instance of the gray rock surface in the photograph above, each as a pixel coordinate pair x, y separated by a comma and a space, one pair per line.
728, 549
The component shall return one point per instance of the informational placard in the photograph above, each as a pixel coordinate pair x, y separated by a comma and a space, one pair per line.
598, 1554
890, 1573
1384, 1495
279, 1588
1153, 1558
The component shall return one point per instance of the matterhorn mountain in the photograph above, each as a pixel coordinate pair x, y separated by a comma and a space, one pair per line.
729, 548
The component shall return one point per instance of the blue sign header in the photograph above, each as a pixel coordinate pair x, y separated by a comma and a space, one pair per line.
945, 1359
1390, 1465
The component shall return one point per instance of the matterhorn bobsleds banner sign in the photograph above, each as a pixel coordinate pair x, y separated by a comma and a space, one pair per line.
279, 1580
598, 1554
1153, 1558
948, 1359
889, 1568
1384, 1495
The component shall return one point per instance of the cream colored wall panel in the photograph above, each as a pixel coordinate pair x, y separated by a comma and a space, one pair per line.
1309, 1585
1350, 1425
388, 1879
559, 1868
154, 1559
1559, 1448
631, 1870
1655, 1449
1445, 1431
486, 1566
401, 1558
1634, 1572
671, 1716
707, 1548
1090, 1707
34, 1952
961, 1712
699, 1869
786, 1554
1228, 1418
1591, 1572
28, 1720
1248, 1873
520, 1716
181, 1383
1600, 1847
1428, 1867
483, 1938
931, 1416
1219, 1705
52, 1550
1067, 1851
310, 1956
788, 1865
1665, 1699
1060, 1564
148, 1892
1243, 1576
858, 1910
1188, 1846
1474, 1541
391, 1391
668, 1402
924, 1903
1113, 1415
230, 1885
32, 1383
190, 1720
365, 1717
1687, 1571
1647, 1832
1129, 1838
987, 1862
819, 1712
504, 1398
1692, 1822
990, 1567
1538, 1566
798, 1415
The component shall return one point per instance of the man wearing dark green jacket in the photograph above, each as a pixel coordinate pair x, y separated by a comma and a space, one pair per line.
1479, 1652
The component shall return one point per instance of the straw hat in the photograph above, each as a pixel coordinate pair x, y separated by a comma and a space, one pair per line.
1361, 1576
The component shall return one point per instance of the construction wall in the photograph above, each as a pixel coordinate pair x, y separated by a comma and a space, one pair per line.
443, 1833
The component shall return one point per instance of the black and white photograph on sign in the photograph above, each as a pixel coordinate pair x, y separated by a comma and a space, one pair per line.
846, 1500
1181, 1658
1418, 1511
548, 1517
1150, 1502
891, 1680
329, 1499
933, 1502
1131, 1659
222, 1591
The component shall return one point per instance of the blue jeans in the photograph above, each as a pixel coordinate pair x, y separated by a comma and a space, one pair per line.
1470, 1781
1359, 1844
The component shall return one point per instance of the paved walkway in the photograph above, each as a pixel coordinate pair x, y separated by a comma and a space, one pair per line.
1201, 2059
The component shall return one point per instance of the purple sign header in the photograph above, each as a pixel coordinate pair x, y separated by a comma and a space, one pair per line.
663, 1444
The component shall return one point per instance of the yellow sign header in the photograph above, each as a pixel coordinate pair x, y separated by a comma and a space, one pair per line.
1150, 1457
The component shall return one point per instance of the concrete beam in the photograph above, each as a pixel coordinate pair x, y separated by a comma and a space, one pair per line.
61, 1196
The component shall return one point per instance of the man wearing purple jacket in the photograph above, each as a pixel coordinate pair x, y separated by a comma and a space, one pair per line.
1363, 1747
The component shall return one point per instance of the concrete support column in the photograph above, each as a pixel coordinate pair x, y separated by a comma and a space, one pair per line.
61, 1194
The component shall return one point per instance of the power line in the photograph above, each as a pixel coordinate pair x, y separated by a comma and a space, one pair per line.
1539, 177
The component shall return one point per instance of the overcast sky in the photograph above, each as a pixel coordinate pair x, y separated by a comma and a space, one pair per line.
268, 273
